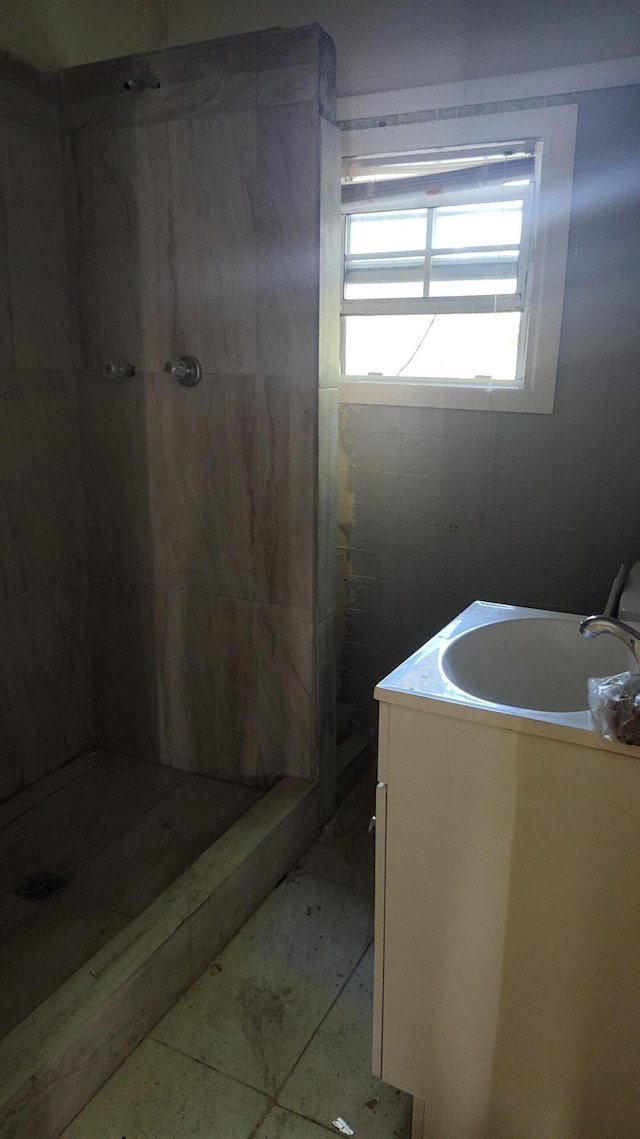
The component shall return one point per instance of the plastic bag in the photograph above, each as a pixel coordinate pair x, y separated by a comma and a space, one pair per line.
614, 702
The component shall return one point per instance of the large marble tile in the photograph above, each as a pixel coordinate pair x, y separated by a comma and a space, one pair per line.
123, 192
286, 693
280, 1124
32, 179
42, 511
31, 796
159, 1094
45, 696
65, 831
211, 297
121, 463
333, 1076
185, 91
324, 766
213, 681
6, 329
135, 868
208, 484
327, 501
127, 624
281, 85
28, 95
44, 945
285, 496
253, 1011
330, 253
344, 852
289, 235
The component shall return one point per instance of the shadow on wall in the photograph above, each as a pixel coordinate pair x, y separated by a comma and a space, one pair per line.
442, 507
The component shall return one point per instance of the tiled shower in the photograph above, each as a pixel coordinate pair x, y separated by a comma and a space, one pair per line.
167, 552
167, 570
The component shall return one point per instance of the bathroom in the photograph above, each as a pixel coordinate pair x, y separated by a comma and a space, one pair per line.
219, 644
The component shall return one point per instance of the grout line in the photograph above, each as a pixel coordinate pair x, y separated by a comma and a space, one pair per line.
321, 1022
45, 798
205, 1063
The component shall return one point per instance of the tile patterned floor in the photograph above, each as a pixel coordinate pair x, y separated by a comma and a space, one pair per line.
120, 830
273, 1040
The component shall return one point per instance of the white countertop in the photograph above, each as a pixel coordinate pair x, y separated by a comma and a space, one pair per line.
419, 682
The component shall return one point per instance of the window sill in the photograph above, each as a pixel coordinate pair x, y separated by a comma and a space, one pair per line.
464, 397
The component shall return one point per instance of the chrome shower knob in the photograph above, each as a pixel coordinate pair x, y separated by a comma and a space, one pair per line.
116, 371
186, 370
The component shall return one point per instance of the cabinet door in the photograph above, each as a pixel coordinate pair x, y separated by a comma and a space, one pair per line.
381, 832
445, 845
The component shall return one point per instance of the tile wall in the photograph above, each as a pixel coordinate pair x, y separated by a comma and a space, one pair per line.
45, 699
438, 508
196, 229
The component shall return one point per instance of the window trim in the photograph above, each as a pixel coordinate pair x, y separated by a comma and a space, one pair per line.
557, 127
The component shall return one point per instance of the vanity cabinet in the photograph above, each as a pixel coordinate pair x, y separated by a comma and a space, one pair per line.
507, 942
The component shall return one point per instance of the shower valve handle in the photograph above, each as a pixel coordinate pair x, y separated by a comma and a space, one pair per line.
186, 370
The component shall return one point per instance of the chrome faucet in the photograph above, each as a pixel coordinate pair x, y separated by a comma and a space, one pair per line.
593, 626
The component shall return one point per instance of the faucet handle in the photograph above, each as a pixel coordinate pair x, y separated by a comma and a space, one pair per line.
186, 370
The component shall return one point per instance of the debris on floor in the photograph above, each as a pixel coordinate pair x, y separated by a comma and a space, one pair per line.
342, 1126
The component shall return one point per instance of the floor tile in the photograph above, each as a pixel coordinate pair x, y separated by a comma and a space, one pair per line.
134, 869
42, 944
254, 1009
333, 1076
344, 852
281, 1124
159, 1094
64, 831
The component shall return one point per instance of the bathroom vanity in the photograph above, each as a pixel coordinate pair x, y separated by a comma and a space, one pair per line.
507, 992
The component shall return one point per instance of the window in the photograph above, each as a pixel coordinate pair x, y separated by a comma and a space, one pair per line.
454, 260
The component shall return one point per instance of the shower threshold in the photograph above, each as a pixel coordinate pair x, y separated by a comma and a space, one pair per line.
163, 867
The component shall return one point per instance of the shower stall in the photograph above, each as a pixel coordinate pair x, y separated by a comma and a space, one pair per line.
169, 259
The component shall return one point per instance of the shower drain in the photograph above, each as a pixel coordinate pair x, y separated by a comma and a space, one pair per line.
39, 887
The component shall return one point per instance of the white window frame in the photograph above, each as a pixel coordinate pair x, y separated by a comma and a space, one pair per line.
556, 126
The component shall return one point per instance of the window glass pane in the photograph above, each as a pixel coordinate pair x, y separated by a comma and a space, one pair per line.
473, 274
386, 232
367, 290
473, 288
494, 223
467, 346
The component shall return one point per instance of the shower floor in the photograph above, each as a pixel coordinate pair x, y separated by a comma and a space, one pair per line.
118, 830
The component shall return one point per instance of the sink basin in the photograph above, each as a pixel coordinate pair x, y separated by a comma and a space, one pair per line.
537, 663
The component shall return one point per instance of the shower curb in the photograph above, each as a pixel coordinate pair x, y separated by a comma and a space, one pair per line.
57, 1058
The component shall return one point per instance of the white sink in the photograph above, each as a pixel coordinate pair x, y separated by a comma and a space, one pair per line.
539, 663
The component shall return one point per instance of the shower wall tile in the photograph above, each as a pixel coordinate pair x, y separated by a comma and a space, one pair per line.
287, 413
37, 270
6, 326
45, 697
286, 692
330, 254
124, 223
194, 77
42, 538
207, 484
28, 95
288, 238
327, 480
127, 625
120, 436
212, 669
182, 94
281, 85
210, 307
199, 233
